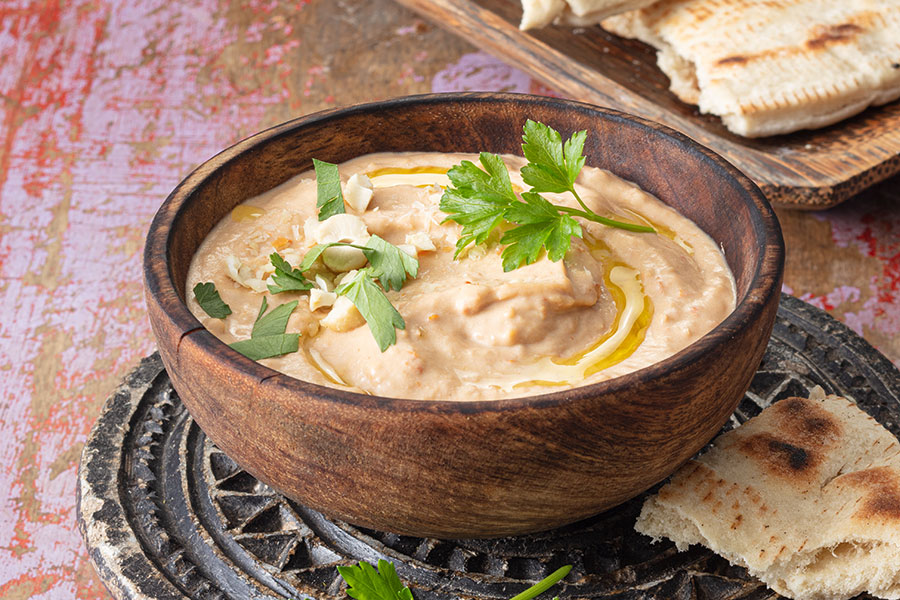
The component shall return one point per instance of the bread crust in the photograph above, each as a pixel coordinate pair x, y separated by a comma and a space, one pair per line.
769, 68
575, 13
806, 496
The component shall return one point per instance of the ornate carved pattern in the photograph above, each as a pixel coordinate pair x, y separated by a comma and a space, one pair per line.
215, 531
144, 493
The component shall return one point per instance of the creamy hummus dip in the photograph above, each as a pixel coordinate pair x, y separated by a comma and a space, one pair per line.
618, 302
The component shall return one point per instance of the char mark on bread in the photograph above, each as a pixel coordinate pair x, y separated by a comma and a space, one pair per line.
806, 496
881, 489
845, 32
805, 420
779, 457
768, 68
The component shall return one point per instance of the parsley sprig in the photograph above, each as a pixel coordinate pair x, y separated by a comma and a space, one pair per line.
365, 583
483, 199
329, 197
372, 303
210, 301
286, 278
268, 338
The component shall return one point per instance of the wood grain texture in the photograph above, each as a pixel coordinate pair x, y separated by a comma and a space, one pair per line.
467, 469
809, 169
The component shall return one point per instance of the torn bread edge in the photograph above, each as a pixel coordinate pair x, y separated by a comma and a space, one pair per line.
838, 530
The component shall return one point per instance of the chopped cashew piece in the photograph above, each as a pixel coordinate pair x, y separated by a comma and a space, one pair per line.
421, 241
343, 316
232, 264
358, 191
241, 275
318, 299
409, 249
324, 284
344, 276
257, 285
342, 228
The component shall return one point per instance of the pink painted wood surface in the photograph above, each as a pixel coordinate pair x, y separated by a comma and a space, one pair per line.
106, 104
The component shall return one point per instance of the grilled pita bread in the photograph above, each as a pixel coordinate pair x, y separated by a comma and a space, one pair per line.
540, 13
806, 496
773, 67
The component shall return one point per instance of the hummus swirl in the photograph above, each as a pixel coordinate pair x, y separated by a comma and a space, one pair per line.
618, 302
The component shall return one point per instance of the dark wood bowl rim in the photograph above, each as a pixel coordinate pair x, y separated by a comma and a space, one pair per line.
764, 284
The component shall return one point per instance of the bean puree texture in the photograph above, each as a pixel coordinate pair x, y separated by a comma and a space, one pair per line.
618, 302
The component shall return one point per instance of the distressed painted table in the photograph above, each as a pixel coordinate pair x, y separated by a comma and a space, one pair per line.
107, 104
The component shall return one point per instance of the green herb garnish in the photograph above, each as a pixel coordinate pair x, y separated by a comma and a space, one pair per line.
372, 303
390, 264
286, 278
275, 322
329, 197
268, 346
544, 584
268, 338
365, 583
482, 199
210, 301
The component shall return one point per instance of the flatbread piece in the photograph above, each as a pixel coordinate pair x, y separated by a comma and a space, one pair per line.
540, 13
806, 496
768, 67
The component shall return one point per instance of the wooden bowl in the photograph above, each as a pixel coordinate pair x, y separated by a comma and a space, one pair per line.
467, 469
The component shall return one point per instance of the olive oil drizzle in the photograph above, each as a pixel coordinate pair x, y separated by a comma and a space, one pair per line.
612, 348
408, 171
391, 176
625, 348
662, 230
246, 212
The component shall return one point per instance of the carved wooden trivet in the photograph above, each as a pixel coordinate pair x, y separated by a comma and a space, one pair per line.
165, 514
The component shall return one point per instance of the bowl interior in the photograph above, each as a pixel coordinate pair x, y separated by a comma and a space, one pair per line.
679, 172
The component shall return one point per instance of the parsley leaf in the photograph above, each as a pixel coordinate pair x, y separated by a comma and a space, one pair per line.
540, 226
493, 182
365, 583
551, 168
483, 199
268, 346
312, 255
329, 198
210, 301
390, 264
275, 322
480, 198
268, 338
372, 303
286, 278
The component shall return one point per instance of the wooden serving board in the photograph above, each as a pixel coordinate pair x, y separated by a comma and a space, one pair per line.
807, 170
